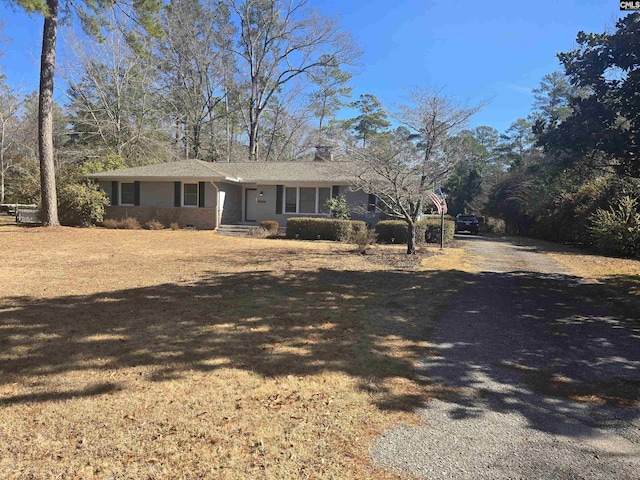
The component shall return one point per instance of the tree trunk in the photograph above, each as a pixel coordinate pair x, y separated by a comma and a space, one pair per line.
185, 132
411, 238
228, 124
2, 169
253, 141
49, 213
196, 141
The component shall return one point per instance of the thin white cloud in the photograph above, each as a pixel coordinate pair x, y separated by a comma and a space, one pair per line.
519, 89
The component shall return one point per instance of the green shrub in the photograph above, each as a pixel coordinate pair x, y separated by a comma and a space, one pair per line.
617, 230
270, 226
427, 230
431, 226
321, 228
338, 208
392, 231
493, 225
81, 204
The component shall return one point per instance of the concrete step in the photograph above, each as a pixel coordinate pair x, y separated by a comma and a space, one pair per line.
236, 230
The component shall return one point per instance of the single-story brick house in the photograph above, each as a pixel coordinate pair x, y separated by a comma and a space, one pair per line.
205, 195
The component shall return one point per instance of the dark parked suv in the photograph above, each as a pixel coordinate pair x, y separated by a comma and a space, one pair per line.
467, 223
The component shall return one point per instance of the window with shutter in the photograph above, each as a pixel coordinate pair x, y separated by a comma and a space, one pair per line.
127, 193
190, 195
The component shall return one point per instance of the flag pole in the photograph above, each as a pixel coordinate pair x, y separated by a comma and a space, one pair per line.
442, 227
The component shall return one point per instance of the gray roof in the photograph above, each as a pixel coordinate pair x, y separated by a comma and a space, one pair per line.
273, 172
242, 172
169, 170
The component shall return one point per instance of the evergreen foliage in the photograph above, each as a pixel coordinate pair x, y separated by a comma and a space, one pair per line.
427, 230
338, 208
81, 204
304, 228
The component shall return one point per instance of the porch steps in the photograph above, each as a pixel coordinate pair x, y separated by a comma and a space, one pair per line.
236, 230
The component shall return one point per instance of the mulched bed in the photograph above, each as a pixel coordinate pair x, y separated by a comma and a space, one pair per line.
398, 260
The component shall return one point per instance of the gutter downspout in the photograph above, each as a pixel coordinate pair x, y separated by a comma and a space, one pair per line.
217, 222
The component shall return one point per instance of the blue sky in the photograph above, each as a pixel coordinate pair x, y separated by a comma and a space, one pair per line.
474, 50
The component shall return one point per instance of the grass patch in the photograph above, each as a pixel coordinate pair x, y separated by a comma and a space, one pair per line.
184, 354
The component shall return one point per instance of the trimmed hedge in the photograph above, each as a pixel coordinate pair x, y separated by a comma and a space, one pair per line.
305, 228
432, 229
393, 231
427, 230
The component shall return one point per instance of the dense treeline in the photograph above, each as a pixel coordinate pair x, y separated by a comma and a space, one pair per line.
215, 80
263, 80
580, 182
570, 171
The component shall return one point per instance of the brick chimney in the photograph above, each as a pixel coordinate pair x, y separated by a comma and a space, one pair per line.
323, 154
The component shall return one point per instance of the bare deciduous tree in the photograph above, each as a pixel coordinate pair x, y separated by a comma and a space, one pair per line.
114, 103
403, 167
10, 124
281, 40
193, 60
286, 122
89, 14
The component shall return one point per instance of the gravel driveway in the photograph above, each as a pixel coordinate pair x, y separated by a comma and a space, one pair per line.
547, 370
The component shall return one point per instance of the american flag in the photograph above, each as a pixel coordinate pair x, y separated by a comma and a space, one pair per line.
438, 199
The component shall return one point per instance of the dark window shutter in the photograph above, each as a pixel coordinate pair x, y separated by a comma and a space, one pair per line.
201, 194
335, 191
114, 193
136, 194
279, 192
177, 191
373, 200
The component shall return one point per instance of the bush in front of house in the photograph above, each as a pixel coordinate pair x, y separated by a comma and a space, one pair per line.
154, 225
111, 223
427, 231
363, 239
338, 208
392, 231
270, 227
305, 228
81, 204
128, 223
431, 228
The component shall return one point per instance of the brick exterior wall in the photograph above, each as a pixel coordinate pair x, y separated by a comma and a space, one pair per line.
200, 218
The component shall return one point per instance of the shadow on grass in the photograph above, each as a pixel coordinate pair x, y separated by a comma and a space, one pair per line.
97, 389
544, 335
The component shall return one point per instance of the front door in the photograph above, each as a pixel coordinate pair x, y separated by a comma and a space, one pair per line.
250, 204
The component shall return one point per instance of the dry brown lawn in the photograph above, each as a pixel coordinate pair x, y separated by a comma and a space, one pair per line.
619, 276
185, 354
